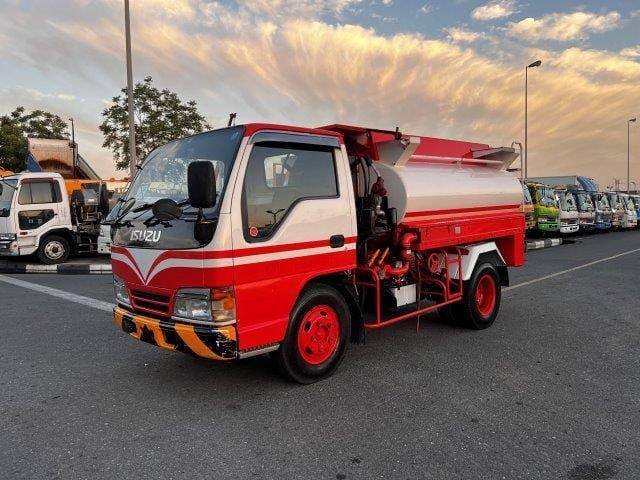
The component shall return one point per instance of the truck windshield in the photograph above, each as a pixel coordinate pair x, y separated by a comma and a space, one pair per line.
603, 203
164, 175
628, 203
567, 202
614, 201
584, 202
547, 197
7, 187
527, 195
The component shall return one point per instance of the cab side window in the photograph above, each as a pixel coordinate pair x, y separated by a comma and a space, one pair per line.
34, 193
280, 175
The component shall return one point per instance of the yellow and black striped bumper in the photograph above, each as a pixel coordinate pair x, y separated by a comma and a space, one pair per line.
215, 343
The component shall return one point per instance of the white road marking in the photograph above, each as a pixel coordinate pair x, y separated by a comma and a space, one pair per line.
569, 270
54, 292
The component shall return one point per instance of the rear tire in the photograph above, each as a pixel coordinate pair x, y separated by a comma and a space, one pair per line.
317, 337
53, 249
481, 299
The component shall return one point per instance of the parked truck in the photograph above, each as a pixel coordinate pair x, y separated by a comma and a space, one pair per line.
546, 209
636, 201
268, 238
617, 210
604, 214
45, 214
528, 210
630, 217
586, 210
568, 213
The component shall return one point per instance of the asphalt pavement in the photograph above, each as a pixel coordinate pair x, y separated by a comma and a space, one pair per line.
551, 391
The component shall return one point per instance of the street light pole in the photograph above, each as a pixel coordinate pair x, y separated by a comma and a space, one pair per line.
132, 127
628, 151
73, 147
537, 63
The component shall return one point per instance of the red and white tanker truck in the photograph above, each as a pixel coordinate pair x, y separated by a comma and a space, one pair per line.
269, 238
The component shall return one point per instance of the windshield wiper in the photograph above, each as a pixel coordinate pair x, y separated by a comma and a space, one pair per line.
147, 206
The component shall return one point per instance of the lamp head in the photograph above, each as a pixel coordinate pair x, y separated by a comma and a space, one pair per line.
537, 63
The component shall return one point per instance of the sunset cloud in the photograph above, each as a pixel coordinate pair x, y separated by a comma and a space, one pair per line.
274, 65
494, 10
564, 26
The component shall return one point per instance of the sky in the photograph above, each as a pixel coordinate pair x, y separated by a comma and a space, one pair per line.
451, 69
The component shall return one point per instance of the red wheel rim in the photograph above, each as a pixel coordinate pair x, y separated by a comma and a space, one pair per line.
318, 334
486, 295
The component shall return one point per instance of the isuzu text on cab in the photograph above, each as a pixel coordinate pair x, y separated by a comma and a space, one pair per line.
268, 238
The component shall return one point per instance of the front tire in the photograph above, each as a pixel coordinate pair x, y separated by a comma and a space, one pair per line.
317, 337
53, 249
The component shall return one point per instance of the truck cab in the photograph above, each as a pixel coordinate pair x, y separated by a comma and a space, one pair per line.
630, 217
33, 210
636, 201
568, 211
527, 209
39, 216
617, 209
586, 210
604, 214
546, 208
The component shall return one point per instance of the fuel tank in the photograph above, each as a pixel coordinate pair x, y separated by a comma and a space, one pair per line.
421, 187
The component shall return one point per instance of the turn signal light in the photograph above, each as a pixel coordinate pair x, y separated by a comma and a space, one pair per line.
223, 304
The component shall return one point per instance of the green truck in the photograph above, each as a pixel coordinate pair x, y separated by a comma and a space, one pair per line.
545, 207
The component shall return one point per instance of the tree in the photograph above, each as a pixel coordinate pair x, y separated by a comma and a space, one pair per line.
160, 116
17, 126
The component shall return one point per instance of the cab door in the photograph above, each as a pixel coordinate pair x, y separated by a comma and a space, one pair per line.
292, 221
38, 210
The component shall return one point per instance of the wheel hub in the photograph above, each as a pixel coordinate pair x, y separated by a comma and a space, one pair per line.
54, 250
318, 334
485, 295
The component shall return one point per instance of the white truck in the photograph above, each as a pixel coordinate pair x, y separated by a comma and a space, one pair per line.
44, 214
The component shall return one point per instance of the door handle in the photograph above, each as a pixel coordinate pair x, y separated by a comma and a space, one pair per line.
336, 241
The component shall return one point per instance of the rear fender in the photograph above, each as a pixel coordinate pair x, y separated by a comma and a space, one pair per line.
481, 252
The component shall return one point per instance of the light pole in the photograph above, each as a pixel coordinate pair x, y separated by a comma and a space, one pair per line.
73, 146
537, 63
628, 150
132, 127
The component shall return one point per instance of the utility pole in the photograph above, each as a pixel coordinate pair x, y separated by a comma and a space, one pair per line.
132, 126
537, 63
628, 151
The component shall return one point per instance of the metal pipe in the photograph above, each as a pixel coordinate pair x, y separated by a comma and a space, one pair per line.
629, 151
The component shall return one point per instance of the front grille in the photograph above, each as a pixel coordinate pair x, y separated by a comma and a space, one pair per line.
151, 301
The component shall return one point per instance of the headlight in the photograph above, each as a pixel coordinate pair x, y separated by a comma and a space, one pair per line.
122, 296
8, 237
215, 305
192, 303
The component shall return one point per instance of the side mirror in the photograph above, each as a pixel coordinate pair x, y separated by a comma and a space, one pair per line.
201, 181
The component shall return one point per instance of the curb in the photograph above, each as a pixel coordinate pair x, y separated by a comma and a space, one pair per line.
539, 244
65, 269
